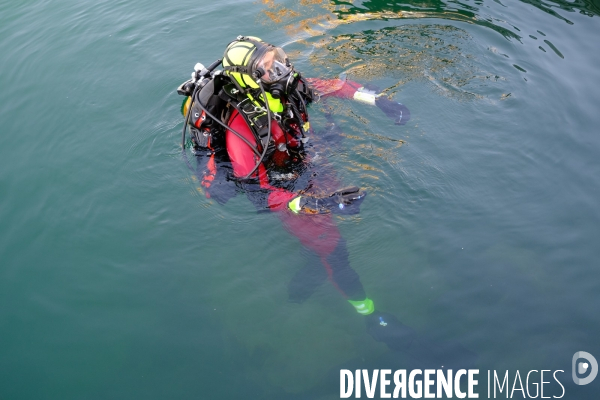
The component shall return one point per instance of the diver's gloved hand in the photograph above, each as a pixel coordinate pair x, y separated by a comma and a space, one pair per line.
396, 111
386, 328
346, 201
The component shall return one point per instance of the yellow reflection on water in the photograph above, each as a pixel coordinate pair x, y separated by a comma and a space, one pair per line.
431, 52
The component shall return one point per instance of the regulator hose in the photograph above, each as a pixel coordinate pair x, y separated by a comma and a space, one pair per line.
202, 74
269, 116
229, 129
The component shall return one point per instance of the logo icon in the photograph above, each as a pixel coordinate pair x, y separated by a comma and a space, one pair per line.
583, 367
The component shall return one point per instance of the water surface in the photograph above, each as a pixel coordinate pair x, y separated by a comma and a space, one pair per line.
119, 279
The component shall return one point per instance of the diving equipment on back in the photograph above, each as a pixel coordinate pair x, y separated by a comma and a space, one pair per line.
259, 84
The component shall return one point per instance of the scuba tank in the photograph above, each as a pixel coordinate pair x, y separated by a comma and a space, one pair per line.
202, 103
205, 131
278, 126
201, 77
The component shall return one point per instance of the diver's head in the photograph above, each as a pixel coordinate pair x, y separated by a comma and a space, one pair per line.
248, 60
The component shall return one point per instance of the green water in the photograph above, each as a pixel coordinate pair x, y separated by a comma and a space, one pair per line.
119, 279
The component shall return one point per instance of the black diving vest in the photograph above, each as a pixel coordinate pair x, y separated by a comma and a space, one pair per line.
220, 97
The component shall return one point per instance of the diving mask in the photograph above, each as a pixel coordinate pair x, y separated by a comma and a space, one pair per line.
274, 65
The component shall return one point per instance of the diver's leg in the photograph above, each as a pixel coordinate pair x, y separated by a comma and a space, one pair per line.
320, 235
307, 279
337, 264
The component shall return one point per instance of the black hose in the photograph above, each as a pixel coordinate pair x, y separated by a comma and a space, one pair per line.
254, 149
187, 120
298, 114
229, 129
302, 101
212, 66
262, 89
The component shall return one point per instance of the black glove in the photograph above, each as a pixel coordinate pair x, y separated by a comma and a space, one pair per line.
396, 111
346, 201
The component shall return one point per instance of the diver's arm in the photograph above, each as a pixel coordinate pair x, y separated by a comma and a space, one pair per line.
348, 89
268, 197
212, 173
344, 89
206, 172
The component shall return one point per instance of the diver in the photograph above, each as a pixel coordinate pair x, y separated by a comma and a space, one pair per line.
250, 132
